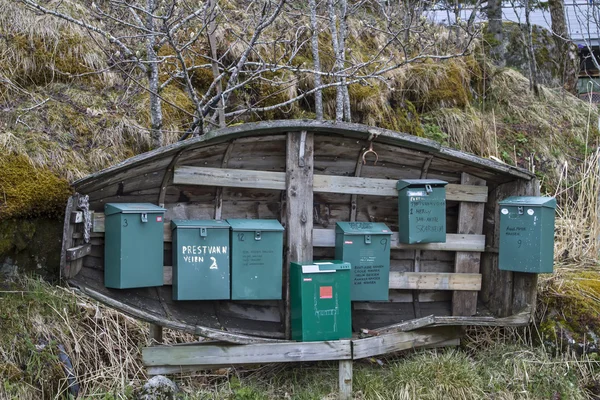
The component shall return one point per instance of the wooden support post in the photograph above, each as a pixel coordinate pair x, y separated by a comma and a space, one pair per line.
156, 334
505, 292
299, 207
470, 221
345, 381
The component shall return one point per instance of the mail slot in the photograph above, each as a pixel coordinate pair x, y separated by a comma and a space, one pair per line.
366, 246
421, 211
133, 245
320, 300
200, 260
527, 234
256, 259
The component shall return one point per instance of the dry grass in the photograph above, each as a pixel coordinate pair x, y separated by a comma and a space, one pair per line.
103, 344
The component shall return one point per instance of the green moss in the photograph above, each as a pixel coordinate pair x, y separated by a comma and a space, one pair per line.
27, 191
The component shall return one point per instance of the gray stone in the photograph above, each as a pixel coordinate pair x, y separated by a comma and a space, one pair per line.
158, 388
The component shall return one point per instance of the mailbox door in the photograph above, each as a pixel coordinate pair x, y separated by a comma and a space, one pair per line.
370, 259
526, 239
134, 250
201, 264
256, 265
422, 212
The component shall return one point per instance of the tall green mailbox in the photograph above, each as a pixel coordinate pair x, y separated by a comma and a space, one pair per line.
200, 260
256, 259
320, 301
527, 234
366, 246
421, 211
133, 245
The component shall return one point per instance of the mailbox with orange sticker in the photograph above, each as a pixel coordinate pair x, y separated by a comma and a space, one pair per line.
320, 300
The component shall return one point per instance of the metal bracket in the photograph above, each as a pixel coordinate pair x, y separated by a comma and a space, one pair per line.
367, 239
428, 189
257, 235
144, 217
370, 150
203, 232
520, 210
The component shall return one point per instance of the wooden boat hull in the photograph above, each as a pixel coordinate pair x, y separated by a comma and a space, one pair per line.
309, 175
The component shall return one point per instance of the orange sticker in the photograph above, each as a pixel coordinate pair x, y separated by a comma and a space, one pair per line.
326, 292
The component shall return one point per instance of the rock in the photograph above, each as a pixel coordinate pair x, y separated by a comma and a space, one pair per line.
158, 388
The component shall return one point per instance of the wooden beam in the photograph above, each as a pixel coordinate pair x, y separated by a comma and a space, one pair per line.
326, 238
470, 221
75, 253
454, 242
77, 217
434, 281
393, 342
186, 175
259, 353
345, 380
298, 180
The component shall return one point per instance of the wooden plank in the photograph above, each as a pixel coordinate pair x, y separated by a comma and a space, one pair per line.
187, 175
345, 380
470, 221
407, 326
434, 281
67, 239
299, 208
219, 196
454, 242
167, 177
259, 353
393, 342
75, 253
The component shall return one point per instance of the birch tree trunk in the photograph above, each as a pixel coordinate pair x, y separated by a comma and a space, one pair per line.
533, 76
561, 38
339, 91
156, 117
342, 56
316, 59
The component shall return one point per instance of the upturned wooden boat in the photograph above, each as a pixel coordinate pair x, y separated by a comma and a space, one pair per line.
309, 175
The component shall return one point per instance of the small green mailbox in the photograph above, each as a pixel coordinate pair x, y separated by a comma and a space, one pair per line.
320, 301
527, 234
133, 245
200, 260
366, 246
256, 259
421, 211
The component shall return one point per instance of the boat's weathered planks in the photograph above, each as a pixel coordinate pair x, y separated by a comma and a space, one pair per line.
309, 175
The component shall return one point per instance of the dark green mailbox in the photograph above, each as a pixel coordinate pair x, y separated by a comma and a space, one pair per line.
320, 301
133, 245
527, 234
256, 259
200, 260
366, 246
421, 211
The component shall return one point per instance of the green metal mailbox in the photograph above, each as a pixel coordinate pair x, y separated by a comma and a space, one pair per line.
200, 260
366, 246
527, 234
256, 259
320, 300
133, 245
421, 211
